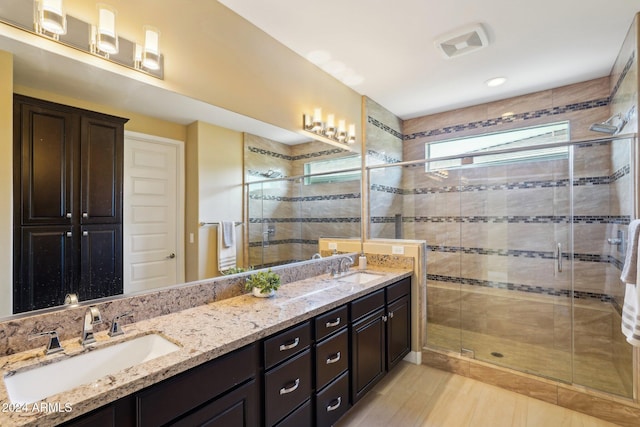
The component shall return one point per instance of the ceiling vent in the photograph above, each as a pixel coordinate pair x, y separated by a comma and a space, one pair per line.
462, 41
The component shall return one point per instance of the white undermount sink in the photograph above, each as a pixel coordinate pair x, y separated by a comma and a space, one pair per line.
39, 383
359, 277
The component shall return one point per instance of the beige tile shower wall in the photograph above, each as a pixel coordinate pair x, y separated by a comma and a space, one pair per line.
381, 137
384, 145
329, 209
477, 218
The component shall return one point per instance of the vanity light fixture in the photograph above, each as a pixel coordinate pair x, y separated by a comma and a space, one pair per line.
105, 38
151, 51
50, 18
328, 131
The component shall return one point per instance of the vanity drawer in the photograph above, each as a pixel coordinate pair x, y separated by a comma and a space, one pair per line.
286, 343
331, 322
303, 416
333, 401
367, 304
399, 289
287, 386
170, 399
332, 358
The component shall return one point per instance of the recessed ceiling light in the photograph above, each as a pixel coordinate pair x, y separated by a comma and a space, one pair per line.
496, 81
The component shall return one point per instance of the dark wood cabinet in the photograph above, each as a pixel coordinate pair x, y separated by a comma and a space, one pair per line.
67, 172
368, 342
288, 379
380, 335
398, 331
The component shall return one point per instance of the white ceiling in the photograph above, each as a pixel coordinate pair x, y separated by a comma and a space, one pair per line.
536, 44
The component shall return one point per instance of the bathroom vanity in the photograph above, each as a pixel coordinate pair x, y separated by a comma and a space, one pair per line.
300, 358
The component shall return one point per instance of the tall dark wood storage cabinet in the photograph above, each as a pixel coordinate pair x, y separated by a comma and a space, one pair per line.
67, 203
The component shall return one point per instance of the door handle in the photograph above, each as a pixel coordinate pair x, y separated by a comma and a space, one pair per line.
171, 256
559, 258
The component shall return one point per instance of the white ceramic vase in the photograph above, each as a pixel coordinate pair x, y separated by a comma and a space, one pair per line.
257, 293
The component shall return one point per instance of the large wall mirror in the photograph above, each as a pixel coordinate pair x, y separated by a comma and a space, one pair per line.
284, 213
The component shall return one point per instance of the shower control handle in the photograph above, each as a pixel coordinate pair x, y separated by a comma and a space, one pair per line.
559, 258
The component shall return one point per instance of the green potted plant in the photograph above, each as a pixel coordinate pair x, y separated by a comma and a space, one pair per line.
263, 283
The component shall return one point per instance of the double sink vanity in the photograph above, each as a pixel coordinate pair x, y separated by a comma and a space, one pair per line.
302, 357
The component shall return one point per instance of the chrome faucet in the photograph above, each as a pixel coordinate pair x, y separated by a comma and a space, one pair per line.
116, 328
345, 263
91, 317
53, 346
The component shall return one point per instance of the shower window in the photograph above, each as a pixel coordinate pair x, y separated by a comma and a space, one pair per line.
523, 137
343, 166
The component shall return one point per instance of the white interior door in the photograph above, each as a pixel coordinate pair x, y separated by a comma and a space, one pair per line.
153, 212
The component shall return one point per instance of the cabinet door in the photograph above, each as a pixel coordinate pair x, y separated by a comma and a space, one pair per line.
368, 352
45, 140
101, 165
100, 261
45, 269
238, 408
398, 331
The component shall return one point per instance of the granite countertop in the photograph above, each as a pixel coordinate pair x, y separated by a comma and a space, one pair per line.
203, 333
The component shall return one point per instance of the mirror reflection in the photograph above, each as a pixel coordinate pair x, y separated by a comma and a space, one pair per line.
283, 216
287, 216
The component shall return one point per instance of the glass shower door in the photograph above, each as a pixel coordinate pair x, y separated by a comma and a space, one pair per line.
515, 268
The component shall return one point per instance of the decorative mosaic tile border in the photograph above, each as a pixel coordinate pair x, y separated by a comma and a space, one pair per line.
344, 196
546, 112
313, 155
518, 185
623, 75
541, 290
386, 128
382, 157
305, 220
259, 243
508, 219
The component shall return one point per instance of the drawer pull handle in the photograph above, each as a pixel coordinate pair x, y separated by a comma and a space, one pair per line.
335, 405
292, 344
391, 315
333, 359
294, 387
333, 324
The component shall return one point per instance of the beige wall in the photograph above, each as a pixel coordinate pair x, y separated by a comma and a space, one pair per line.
6, 181
214, 193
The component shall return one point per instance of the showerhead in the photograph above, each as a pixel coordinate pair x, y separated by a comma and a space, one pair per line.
604, 128
608, 127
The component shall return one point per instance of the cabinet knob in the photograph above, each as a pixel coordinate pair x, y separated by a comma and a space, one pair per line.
391, 314
384, 318
69, 234
292, 388
171, 256
68, 215
85, 215
85, 233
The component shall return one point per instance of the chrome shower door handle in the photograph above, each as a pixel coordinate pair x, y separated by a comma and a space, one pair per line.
559, 257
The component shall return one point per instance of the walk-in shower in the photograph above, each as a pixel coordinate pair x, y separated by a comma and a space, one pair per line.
523, 258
